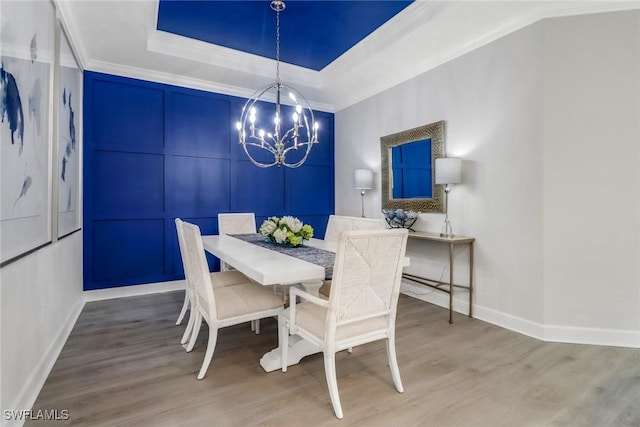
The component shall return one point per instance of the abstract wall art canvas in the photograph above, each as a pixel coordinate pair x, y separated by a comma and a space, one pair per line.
26, 65
69, 104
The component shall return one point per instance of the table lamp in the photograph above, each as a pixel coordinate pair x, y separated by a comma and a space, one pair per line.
363, 181
448, 171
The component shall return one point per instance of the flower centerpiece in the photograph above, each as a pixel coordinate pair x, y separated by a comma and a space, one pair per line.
285, 231
400, 218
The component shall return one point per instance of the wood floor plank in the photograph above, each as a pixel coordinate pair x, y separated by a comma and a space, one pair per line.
123, 366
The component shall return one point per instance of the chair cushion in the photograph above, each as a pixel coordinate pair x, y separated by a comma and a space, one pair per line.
312, 318
237, 300
226, 278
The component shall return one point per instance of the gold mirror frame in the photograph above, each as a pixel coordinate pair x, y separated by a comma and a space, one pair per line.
434, 131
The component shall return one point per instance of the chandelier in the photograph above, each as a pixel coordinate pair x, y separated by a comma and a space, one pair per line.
297, 131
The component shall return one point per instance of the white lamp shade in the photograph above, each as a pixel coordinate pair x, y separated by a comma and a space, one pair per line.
363, 179
448, 171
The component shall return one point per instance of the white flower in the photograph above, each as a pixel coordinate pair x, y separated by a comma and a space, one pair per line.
294, 224
267, 228
280, 235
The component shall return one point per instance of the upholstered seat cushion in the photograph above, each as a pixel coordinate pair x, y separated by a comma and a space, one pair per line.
312, 318
220, 279
237, 300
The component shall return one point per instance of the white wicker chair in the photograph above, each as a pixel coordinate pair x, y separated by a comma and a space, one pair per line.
235, 223
221, 306
338, 224
218, 279
361, 308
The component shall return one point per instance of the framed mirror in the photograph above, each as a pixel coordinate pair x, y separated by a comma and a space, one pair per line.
408, 169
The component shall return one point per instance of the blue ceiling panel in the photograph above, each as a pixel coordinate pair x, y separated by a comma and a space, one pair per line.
313, 33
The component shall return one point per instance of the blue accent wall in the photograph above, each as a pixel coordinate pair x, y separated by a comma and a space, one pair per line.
154, 152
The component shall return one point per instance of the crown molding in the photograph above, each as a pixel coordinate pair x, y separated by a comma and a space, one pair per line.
65, 14
183, 81
354, 81
425, 35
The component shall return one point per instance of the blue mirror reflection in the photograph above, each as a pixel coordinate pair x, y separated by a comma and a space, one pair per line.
411, 174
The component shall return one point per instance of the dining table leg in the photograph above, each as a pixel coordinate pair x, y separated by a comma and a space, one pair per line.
296, 350
312, 287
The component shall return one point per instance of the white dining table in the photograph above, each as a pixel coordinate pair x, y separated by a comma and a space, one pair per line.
268, 268
263, 265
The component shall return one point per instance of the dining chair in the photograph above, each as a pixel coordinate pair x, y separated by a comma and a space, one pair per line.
242, 223
235, 223
361, 307
218, 279
338, 224
221, 306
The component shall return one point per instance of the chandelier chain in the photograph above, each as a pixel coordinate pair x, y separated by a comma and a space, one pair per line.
278, 46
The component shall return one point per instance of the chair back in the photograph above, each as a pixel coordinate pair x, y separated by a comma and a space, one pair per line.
236, 223
197, 269
366, 276
183, 255
338, 224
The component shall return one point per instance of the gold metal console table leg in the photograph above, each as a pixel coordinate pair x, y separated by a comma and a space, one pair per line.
442, 285
471, 279
451, 283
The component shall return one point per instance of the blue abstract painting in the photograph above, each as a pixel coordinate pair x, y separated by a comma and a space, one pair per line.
69, 96
25, 90
12, 106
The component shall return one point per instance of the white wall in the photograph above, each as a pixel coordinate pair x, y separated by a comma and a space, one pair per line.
505, 108
41, 298
592, 171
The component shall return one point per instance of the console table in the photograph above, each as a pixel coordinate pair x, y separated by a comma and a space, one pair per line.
446, 286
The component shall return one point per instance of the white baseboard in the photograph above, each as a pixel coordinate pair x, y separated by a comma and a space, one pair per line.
509, 321
595, 336
31, 389
135, 290
550, 333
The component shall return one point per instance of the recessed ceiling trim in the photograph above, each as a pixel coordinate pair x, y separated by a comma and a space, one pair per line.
220, 56
182, 81
374, 75
426, 35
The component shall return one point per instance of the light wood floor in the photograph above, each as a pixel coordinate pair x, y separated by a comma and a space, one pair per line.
123, 366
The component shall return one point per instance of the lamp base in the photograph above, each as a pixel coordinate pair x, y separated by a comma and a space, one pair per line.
447, 231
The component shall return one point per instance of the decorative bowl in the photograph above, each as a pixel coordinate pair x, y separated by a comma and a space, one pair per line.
400, 218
